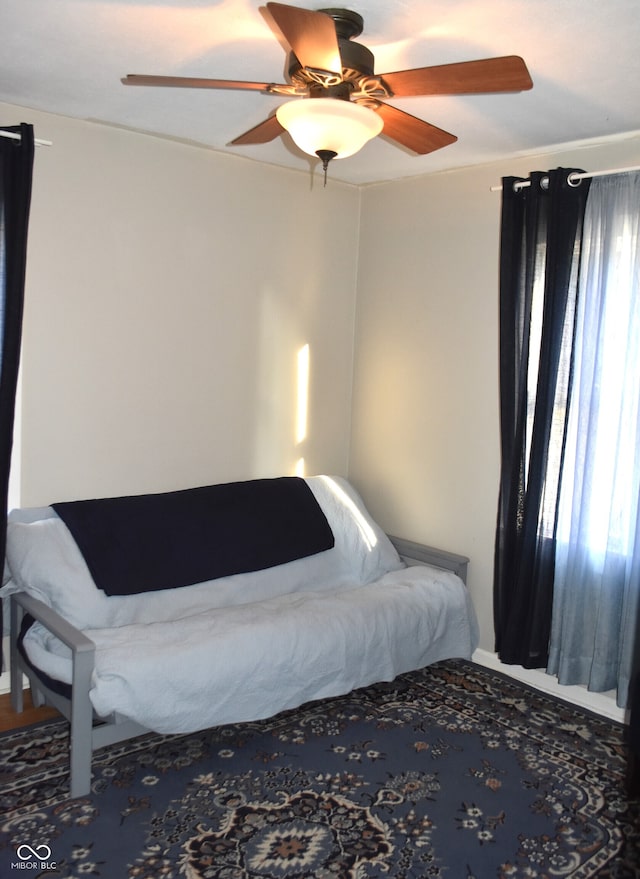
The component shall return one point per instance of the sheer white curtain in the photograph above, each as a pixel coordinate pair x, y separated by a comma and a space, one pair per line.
597, 581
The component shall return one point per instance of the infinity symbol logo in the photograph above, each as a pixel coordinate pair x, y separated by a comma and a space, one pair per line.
41, 852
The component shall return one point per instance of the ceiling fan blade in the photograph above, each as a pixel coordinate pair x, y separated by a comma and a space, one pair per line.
188, 82
262, 133
311, 35
506, 74
414, 133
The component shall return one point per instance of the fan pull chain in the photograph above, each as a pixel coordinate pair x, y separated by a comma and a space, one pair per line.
325, 157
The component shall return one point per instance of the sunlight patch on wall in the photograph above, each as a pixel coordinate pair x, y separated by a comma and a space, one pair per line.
302, 405
302, 408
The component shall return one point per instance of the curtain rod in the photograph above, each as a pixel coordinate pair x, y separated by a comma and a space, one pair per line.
573, 178
12, 135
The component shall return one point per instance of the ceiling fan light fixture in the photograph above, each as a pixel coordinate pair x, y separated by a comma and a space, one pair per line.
329, 125
327, 65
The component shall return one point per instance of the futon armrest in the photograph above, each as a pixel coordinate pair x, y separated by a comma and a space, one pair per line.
77, 709
82, 652
418, 553
76, 640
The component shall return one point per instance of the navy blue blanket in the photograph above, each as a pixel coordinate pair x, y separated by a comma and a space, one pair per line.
161, 541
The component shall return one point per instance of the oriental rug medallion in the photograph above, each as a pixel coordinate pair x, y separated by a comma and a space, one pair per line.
453, 771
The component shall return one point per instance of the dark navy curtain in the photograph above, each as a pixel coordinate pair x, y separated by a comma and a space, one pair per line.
16, 166
540, 242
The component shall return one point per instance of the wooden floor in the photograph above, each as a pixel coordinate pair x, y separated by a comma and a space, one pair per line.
10, 720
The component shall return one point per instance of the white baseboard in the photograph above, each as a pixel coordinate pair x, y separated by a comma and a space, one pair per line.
601, 703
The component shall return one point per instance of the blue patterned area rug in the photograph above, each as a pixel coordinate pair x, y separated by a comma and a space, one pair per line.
454, 771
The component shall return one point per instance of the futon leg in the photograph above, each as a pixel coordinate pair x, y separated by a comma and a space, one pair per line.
81, 744
80, 783
15, 675
78, 710
37, 696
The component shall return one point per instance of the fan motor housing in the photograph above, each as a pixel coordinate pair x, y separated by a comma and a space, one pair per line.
348, 23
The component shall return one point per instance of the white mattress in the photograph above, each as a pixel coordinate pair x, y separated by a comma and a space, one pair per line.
253, 660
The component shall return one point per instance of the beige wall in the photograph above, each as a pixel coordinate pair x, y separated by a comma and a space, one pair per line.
425, 443
169, 290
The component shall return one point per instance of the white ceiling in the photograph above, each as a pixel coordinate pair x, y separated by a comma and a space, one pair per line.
67, 57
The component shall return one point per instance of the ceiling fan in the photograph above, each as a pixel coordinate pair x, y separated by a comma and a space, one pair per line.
349, 99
